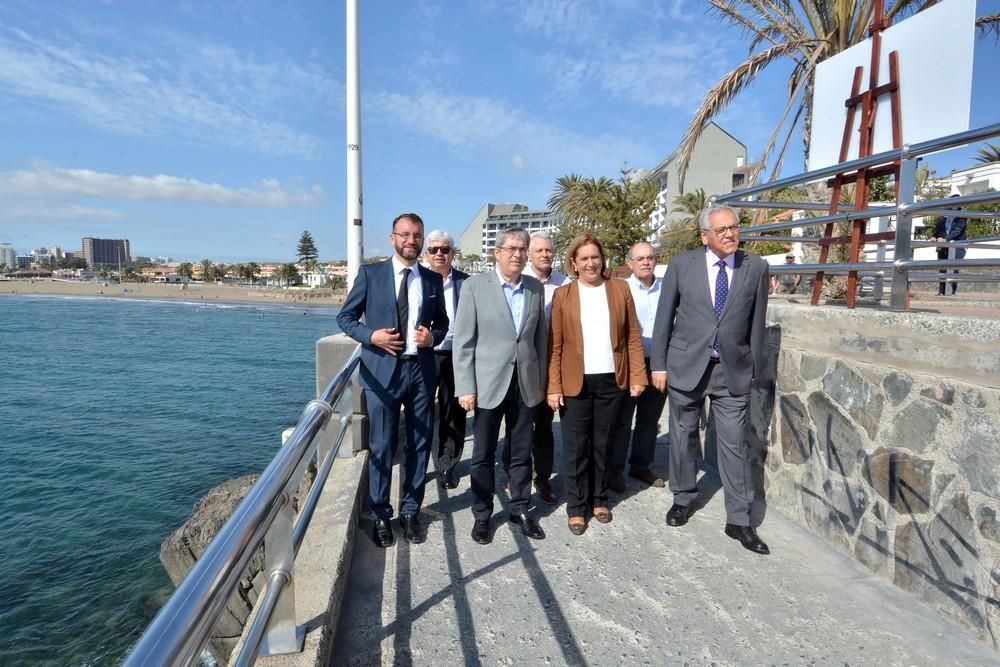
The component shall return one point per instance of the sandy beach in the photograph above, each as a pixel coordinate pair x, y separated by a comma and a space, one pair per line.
191, 292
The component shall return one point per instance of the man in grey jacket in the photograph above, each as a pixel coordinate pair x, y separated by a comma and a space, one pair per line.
708, 340
499, 357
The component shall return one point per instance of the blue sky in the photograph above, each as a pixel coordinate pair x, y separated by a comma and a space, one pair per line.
216, 129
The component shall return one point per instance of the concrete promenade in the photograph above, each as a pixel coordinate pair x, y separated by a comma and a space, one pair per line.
632, 592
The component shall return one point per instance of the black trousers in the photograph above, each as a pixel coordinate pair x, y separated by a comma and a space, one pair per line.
486, 430
588, 424
542, 444
942, 253
451, 416
647, 410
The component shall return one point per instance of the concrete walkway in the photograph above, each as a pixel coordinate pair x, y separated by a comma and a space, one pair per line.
632, 592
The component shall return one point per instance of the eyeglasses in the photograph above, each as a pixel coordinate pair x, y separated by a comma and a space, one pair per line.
722, 231
514, 250
434, 250
406, 236
644, 258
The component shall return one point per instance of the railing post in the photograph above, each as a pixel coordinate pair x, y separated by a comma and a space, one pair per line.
283, 635
878, 291
903, 250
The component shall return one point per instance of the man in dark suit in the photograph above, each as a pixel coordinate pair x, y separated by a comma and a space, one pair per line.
949, 228
451, 416
708, 340
396, 311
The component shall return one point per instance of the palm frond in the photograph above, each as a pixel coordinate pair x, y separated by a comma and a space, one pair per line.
987, 25
725, 90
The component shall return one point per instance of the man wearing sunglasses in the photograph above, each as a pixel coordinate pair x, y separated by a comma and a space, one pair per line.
451, 416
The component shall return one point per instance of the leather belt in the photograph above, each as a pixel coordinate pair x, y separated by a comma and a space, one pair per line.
407, 357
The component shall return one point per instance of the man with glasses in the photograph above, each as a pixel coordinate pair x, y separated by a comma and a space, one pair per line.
647, 408
396, 311
451, 417
708, 340
500, 363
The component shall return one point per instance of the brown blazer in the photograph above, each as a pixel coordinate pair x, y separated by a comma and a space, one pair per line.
566, 339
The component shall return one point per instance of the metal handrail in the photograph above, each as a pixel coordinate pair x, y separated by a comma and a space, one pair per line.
181, 629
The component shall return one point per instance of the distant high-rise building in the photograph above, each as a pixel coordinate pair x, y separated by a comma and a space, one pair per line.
106, 252
8, 256
479, 237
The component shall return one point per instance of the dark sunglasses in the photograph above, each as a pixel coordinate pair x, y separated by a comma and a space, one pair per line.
437, 249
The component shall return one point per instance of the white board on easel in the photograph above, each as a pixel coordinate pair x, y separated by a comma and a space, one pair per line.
935, 82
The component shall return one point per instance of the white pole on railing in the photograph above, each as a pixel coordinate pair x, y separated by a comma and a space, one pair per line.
903, 247
355, 227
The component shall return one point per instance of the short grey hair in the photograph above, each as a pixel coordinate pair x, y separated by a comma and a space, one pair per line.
639, 243
512, 232
439, 235
545, 236
711, 210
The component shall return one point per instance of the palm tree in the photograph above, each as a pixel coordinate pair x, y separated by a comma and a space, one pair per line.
690, 205
206, 270
185, 270
807, 32
988, 155
253, 270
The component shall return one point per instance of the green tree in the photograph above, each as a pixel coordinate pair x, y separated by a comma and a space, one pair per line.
805, 34
250, 271
879, 189
308, 255
206, 269
288, 273
74, 263
185, 270
988, 155
616, 212
689, 205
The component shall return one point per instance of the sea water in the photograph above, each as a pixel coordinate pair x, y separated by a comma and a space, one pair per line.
116, 416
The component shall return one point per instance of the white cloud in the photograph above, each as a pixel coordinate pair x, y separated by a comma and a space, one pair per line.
67, 184
519, 164
490, 128
207, 93
43, 211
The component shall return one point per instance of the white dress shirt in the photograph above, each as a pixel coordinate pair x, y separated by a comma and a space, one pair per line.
712, 261
415, 299
550, 284
449, 306
595, 320
646, 300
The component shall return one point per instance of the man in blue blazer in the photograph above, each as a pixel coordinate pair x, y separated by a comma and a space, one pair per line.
396, 311
451, 416
949, 228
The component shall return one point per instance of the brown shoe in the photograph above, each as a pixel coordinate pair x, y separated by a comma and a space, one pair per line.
602, 514
577, 525
617, 482
647, 476
545, 493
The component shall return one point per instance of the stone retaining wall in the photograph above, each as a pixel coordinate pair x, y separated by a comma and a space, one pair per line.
882, 433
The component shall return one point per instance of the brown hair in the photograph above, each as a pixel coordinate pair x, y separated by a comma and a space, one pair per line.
585, 239
412, 217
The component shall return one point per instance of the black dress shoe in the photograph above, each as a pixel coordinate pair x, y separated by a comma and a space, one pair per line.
481, 531
449, 480
748, 538
678, 515
413, 530
529, 526
382, 533
616, 482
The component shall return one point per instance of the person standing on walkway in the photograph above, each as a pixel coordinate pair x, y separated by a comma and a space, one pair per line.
786, 283
595, 360
543, 443
396, 311
648, 407
451, 417
708, 340
499, 358
947, 229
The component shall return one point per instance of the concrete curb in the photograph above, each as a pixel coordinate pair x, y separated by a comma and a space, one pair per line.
323, 564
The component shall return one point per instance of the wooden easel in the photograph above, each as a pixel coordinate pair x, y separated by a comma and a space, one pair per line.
868, 101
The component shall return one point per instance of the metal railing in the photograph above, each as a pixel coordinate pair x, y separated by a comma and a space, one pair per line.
903, 263
182, 628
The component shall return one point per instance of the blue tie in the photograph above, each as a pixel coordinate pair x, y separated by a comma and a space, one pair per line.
721, 292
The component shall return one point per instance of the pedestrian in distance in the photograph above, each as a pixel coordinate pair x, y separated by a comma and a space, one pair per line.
595, 360
708, 341
947, 229
499, 358
396, 310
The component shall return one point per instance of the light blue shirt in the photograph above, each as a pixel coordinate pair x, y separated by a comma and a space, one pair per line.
646, 300
515, 299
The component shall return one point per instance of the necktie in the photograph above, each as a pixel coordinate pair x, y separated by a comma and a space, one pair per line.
947, 225
403, 305
721, 292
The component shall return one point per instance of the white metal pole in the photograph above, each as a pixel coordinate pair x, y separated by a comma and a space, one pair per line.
355, 228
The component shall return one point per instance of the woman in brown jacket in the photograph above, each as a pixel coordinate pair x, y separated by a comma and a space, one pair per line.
595, 356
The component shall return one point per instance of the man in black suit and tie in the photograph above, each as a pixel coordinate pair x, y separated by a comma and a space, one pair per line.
708, 340
949, 228
396, 311
451, 416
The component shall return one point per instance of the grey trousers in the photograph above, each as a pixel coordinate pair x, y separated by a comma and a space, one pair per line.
730, 414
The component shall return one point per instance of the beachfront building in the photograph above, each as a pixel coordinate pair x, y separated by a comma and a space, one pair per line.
106, 252
718, 164
479, 237
8, 256
981, 178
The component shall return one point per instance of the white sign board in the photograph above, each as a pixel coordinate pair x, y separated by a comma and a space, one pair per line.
935, 81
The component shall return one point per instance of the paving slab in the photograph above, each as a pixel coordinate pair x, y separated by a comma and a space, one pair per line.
632, 592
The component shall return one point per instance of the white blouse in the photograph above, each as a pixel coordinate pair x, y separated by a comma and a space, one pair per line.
595, 319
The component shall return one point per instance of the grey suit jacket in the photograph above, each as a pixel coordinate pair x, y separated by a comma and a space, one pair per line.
685, 324
485, 346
